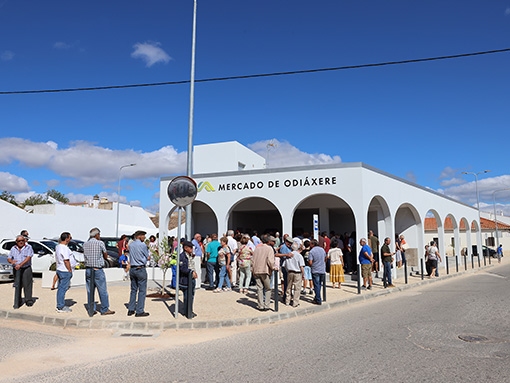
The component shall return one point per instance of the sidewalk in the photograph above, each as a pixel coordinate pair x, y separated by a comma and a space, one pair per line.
213, 309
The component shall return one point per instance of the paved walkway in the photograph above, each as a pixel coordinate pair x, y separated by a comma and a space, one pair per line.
212, 309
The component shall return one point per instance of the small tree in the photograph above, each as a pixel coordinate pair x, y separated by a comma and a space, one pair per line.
36, 199
8, 197
164, 259
57, 195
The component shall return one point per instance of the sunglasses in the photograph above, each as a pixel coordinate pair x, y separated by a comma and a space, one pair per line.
20, 240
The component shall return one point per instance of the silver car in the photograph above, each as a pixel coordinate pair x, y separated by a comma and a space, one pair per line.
5, 270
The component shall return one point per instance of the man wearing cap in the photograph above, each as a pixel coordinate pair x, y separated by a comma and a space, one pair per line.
295, 266
94, 253
187, 277
139, 255
263, 263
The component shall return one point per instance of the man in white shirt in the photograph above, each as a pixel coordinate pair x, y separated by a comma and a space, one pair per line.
63, 258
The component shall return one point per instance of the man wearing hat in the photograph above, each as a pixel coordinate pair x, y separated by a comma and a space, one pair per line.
139, 255
187, 277
263, 264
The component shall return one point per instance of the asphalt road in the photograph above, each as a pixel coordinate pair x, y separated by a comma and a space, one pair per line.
413, 336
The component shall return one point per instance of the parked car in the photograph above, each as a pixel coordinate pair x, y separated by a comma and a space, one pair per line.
5, 269
487, 251
76, 247
44, 252
112, 250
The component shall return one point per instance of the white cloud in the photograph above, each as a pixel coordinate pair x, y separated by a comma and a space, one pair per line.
85, 164
21, 197
15, 149
507, 11
283, 154
500, 208
448, 172
61, 45
12, 183
150, 52
453, 182
486, 187
6, 55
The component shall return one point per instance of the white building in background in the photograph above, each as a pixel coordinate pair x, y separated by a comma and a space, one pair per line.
227, 156
48, 221
346, 197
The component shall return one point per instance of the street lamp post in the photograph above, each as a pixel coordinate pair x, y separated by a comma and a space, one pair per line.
189, 168
118, 199
478, 206
495, 218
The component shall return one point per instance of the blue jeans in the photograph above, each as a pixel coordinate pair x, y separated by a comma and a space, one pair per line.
211, 269
387, 273
224, 277
64, 281
138, 285
318, 280
100, 284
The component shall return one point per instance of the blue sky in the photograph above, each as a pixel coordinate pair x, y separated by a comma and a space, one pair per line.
426, 122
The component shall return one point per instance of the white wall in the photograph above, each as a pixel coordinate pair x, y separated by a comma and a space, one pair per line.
224, 157
75, 219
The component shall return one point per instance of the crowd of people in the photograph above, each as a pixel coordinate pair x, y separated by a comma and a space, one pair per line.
297, 265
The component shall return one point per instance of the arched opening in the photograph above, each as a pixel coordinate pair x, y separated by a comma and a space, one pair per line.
335, 218
409, 235
204, 221
451, 235
379, 225
254, 213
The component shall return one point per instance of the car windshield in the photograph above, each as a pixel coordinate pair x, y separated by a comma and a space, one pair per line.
76, 246
51, 244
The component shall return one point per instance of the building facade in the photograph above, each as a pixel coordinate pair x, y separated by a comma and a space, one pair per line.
346, 197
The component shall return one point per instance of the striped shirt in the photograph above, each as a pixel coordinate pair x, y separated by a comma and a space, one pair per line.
93, 251
19, 255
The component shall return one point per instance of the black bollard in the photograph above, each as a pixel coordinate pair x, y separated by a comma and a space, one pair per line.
465, 262
456, 263
421, 266
478, 261
276, 297
324, 288
472, 262
17, 287
447, 266
191, 293
489, 259
405, 271
92, 288
359, 279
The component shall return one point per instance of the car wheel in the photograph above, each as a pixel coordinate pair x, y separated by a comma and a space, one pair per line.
107, 264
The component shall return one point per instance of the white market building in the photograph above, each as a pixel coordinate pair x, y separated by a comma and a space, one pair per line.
347, 197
